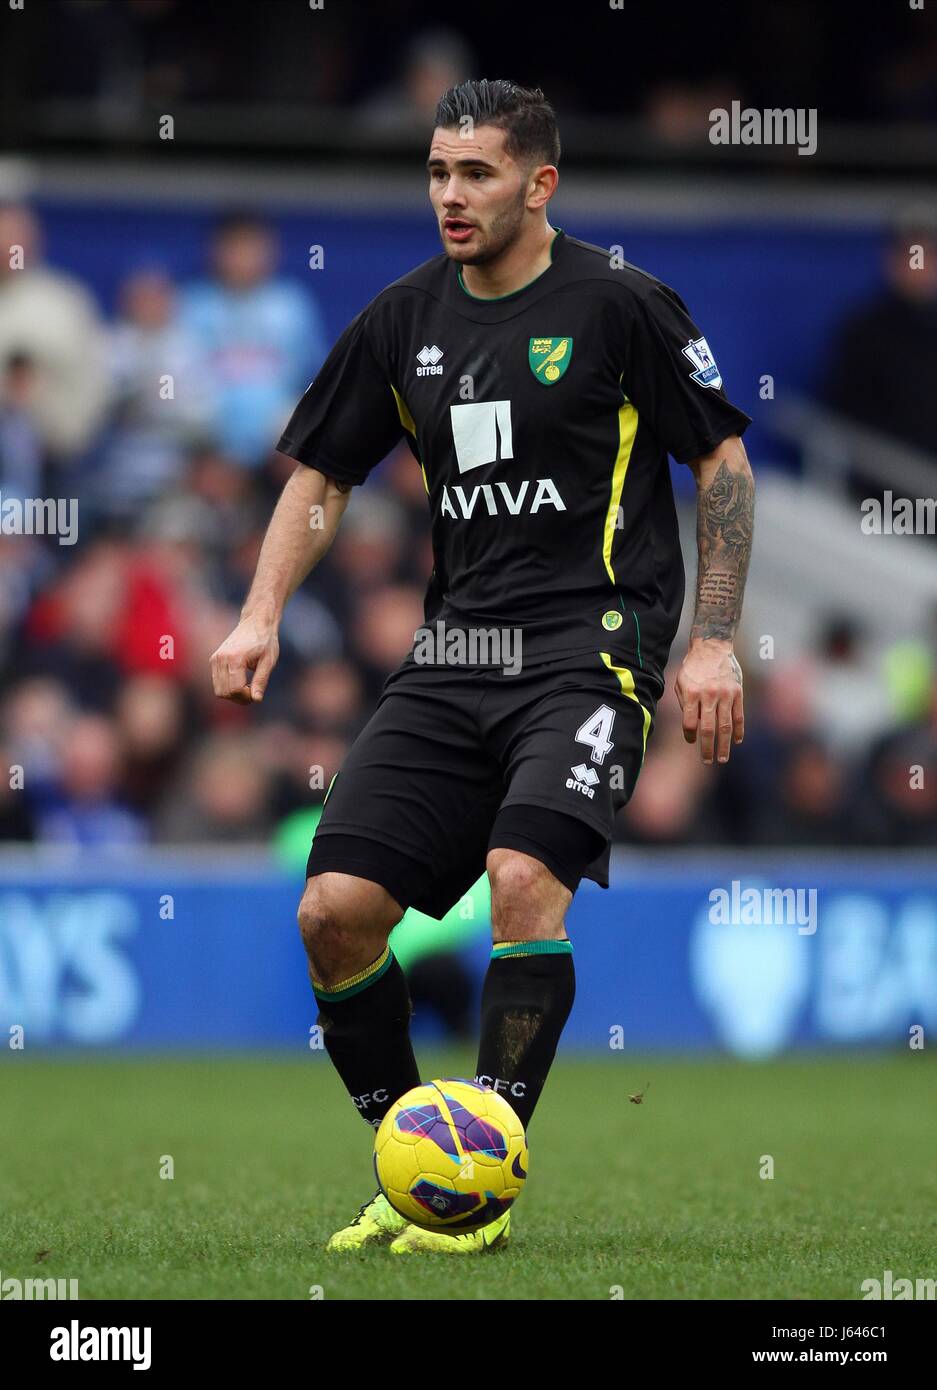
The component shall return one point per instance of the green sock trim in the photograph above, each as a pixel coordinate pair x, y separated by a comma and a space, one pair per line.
531, 948
358, 982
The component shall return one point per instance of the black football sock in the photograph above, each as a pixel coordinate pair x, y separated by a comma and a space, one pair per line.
365, 1023
526, 999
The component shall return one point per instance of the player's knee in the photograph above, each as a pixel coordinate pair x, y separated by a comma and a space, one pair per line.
523, 890
321, 917
339, 916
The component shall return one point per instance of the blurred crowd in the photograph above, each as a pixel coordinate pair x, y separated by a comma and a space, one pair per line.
386, 64
161, 424
839, 750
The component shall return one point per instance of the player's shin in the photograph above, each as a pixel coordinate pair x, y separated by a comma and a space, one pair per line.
365, 1023
526, 999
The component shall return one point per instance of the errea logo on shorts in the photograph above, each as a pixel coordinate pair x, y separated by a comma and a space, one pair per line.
430, 360
583, 780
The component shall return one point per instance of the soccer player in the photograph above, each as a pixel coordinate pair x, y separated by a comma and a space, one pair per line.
541, 383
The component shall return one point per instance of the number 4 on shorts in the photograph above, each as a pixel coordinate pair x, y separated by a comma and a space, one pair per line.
596, 731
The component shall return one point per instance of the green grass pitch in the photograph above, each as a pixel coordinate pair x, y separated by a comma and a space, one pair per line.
662, 1199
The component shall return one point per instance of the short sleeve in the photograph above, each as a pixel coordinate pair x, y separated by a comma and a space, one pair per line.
347, 421
672, 379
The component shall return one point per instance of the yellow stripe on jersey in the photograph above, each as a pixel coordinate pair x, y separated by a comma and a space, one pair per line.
409, 424
406, 419
627, 429
626, 681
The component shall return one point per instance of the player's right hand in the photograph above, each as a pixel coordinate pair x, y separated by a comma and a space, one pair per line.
241, 667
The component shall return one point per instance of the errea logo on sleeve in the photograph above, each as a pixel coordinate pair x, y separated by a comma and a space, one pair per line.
699, 353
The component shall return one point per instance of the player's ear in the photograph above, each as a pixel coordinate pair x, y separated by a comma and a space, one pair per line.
541, 185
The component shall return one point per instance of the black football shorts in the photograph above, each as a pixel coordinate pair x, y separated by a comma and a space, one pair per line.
455, 759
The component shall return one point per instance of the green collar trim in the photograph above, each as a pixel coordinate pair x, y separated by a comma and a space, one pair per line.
498, 298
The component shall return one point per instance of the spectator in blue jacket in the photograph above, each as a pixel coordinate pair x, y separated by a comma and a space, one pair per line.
261, 338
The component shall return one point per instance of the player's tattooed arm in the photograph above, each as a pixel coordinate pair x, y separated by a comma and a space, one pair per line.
709, 685
724, 522
302, 528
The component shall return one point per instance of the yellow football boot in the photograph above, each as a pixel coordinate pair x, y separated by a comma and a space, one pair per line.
414, 1240
375, 1223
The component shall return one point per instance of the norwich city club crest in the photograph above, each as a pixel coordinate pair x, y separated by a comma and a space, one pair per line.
549, 358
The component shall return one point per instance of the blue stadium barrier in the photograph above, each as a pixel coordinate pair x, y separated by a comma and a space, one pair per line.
202, 951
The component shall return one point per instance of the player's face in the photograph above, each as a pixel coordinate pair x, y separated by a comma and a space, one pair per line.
478, 192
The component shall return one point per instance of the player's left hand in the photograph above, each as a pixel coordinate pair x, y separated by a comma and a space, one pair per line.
709, 688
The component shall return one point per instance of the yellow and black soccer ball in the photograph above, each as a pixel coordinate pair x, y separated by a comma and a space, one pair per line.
451, 1155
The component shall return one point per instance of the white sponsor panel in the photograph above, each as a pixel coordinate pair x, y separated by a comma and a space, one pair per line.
478, 428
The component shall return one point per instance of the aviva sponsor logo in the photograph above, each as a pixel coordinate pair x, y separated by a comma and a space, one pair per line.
497, 499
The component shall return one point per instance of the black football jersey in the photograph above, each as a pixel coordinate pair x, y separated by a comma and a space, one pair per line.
542, 421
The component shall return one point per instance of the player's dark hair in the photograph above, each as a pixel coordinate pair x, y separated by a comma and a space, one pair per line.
523, 113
